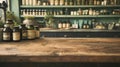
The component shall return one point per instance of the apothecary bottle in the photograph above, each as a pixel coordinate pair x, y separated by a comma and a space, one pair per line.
30, 32
7, 33
23, 30
16, 34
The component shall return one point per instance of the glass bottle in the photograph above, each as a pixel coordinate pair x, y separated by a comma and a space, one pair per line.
61, 2
7, 34
90, 11
95, 2
83, 25
64, 25
37, 32
74, 2
23, 30
93, 22
66, 11
60, 25
30, 32
16, 34
66, 2
78, 2
52, 2
56, 2
68, 24
87, 25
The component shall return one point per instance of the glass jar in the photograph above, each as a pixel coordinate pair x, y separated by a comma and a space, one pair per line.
7, 34
30, 32
16, 34
23, 30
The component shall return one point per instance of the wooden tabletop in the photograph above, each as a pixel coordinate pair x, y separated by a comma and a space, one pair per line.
62, 50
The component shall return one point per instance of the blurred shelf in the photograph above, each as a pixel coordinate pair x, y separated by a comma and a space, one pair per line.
76, 30
70, 6
79, 16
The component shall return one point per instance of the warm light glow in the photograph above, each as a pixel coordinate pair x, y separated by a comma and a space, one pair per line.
3, 0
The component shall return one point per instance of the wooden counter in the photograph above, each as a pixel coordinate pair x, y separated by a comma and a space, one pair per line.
62, 50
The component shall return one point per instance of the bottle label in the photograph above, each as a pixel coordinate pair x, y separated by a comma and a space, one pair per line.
24, 34
37, 34
6, 36
16, 36
31, 34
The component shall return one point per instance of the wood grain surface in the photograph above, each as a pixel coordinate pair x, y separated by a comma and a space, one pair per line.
61, 50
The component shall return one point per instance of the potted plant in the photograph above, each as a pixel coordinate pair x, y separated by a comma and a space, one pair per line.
49, 21
11, 16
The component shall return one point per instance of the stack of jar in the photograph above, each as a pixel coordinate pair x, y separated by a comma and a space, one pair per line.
18, 33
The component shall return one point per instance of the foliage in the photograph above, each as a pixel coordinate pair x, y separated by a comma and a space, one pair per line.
12, 16
49, 20
48, 17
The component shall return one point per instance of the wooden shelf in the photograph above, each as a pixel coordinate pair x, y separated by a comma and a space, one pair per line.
70, 6
80, 16
76, 30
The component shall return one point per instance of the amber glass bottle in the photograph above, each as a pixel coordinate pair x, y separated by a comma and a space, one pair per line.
7, 34
16, 34
23, 30
30, 32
